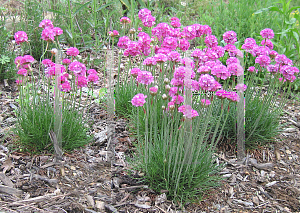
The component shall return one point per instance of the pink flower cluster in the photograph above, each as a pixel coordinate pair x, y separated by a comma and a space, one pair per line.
146, 17
187, 111
49, 31
139, 100
20, 37
125, 20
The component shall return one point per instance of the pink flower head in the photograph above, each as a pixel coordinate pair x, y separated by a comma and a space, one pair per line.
145, 77
175, 22
232, 96
208, 83
174, 32
160, 58
252, 69
170, 43
260, 50
48, 63
153, 90
50, 71
135, 72
197, 53
188, 62
282, 60
204, 69
164, 51
273, 68
202, 30
66, 61
48, 34
125, 20
267, 33
268, 43
18, 60
176, 82
248, 44
287, 70
72, 51
92, 71
273, 54
187, 111
82, 81
173, 91
189, 32
195, 85
65, 87
134, 49
46, 23
174, 56
64, 77
148, 21
229, 37
241, 87
18, 82
143, 13
235, 69
211, 55
184, 44
20, 37
77, 68
179, 73
221, 94
231, 60
220, 71
205, 102
263, 60
93, 78
22, 72
231, 49
123, 42
161, 31
220, 51
150, 61
139, 100
57, 31
177, 99
27, 59
211, 41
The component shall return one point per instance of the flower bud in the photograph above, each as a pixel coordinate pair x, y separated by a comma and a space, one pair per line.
166, 81
70, 77
54, 51
153, 90
39, 92
132, 31
163, 107
167, 87
172, 107
164, 97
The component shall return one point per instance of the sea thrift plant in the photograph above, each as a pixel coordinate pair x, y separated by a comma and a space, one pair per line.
59, 80
211, 78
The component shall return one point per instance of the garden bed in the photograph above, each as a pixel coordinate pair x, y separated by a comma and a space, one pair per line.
90, 183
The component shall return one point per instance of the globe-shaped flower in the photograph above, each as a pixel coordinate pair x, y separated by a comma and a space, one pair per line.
139, 100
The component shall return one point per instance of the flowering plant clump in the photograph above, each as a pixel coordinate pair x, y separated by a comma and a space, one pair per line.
36, 99
191, 96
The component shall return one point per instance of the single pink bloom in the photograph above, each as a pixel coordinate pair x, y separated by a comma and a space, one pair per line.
139, 100
20, 37
72, 51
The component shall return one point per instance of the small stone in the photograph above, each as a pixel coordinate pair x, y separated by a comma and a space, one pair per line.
272, 174
255, 200
100, 205
72, 168
288, 152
